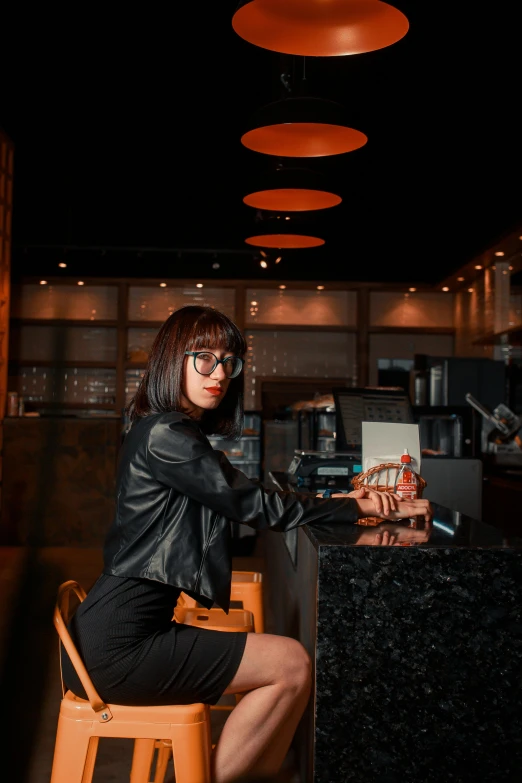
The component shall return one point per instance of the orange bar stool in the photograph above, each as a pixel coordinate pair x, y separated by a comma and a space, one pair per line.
82, 722
188, 612
246, 587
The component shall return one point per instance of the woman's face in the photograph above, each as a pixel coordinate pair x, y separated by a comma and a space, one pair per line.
202, 393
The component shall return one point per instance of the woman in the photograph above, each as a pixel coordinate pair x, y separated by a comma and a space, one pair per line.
171, 533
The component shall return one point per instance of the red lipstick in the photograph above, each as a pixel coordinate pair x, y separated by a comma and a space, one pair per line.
215, 390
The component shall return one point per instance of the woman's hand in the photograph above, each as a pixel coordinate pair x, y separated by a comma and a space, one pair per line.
387, 534
387, 505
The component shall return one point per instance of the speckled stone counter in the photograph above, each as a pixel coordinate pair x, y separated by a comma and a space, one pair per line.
417, 650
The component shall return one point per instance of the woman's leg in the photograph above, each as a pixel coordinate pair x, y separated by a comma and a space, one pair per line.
275, 675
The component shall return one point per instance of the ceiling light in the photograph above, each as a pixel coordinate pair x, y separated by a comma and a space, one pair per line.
499, 253
470, 290
319, 29
263, 254
510, 268
62, 264
43, 282
302, 128
253, 304
215, 265
284, 241
412, 290
287, 218
445, 288
282, 287
263, 264
163, 285
199, 285
278, 259
80, 282
479, 266
320, 287
461, 279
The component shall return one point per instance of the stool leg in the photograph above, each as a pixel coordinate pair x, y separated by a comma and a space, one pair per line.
191, 750
253, 601
74, 753
142, 757
164, 754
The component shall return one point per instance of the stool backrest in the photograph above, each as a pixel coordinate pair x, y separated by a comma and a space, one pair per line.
60, 618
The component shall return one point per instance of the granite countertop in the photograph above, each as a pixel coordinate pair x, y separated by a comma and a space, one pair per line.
449, 529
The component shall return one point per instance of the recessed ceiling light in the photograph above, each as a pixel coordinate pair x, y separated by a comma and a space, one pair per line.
263, 264
253, 304
470, 290
199, 285
445, 288
460, 279
510, 268
80, 282
43, 282
320, 287
282, 287
499, 253
62, 264
479, 266
412, 290
278, 259
163, 285
263, 253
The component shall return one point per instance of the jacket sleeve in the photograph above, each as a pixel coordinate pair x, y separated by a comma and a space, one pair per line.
180, 456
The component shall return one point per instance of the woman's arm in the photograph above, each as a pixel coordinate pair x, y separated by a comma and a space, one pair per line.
180, 456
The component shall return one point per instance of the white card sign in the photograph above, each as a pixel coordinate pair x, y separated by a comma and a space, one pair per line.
385, 442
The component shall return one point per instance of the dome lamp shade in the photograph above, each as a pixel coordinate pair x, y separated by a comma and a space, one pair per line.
315, 28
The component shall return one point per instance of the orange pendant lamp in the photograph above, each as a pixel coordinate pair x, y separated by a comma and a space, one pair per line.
284, 241
302, 128
291, 190
319, 28
286, 232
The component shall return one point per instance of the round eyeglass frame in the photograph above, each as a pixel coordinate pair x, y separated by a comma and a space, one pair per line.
238, 359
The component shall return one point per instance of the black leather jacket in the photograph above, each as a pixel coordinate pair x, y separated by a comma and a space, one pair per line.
176, 496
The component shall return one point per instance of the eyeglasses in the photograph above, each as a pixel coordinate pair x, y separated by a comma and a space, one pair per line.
205, 363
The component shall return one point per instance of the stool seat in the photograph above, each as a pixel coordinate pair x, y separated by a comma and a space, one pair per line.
216, 619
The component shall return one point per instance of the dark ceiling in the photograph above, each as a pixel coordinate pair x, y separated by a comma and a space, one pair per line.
127, 131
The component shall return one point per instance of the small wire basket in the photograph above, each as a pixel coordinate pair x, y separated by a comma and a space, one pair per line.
382, 478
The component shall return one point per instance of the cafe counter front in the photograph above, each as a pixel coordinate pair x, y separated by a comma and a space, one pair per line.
417, 649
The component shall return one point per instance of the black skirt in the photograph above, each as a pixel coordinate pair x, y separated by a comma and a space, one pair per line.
137, 655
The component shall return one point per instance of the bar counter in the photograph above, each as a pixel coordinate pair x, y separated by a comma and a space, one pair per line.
417, 650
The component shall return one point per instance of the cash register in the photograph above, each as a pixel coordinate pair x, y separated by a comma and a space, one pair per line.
317, 471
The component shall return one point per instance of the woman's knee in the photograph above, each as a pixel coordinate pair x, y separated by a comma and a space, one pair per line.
298, 665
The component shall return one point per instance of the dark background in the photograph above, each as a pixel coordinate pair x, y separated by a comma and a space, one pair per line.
127, 126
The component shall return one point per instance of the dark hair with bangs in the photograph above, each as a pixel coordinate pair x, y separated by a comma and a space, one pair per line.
188, 329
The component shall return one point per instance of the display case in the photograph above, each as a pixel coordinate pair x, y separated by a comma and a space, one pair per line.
244, 453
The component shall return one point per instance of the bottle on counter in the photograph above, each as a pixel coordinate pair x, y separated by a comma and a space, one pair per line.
406, 484
12, 403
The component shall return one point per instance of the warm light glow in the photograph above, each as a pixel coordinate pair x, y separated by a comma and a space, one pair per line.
499, 253
80, 282
278, 259
461, 279
412, 290
62, 264
199, 285
479, 266
510, 268
287, 218
43, 282
520, 239
263, 264
163, 285
282, 287
470, 290
320, 287
263, 253
253, 304
445, 288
